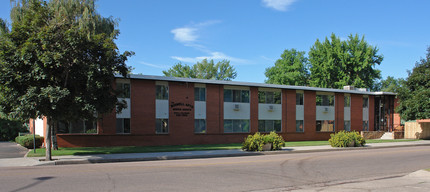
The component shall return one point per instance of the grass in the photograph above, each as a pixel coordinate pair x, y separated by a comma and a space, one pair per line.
171, 148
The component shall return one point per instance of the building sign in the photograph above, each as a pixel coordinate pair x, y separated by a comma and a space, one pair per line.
181, 109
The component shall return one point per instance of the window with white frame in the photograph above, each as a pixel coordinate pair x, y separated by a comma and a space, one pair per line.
269, 97
365, 102
123, 90
299, 126
347, 125
269, 125
299, 98
200, 126
236, 126
162, 92
347, 101
300, 112
237, 96
161, 126
122, 125
325, 112
199, 94
80, 126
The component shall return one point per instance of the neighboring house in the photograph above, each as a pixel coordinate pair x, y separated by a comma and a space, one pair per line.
176, 111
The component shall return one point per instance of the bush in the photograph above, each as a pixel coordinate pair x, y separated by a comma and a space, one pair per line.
255, 142
27, 141
10, 129
346, 139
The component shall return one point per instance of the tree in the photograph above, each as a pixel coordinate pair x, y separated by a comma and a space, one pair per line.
335, 63
414, 96
390, 84
290, 69
204, 70
59, 61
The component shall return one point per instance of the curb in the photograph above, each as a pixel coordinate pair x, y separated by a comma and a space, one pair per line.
159, 158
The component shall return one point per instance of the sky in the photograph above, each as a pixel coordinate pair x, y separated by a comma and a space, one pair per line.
252, 34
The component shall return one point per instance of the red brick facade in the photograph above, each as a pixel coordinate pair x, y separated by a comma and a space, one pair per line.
181, 127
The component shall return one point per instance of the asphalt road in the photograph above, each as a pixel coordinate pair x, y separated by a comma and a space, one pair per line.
11, 150
252, 173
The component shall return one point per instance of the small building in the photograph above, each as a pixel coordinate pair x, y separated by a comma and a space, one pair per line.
177, 111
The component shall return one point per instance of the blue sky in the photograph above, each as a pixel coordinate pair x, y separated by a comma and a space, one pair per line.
252, 34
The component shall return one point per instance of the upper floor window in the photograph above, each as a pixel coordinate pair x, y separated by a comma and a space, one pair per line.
269, 97
299, 98
347, 101
123, 90
365, 102
238, 96
162, 92
199, 94
325, 100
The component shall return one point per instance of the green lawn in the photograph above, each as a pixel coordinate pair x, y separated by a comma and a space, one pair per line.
149, 149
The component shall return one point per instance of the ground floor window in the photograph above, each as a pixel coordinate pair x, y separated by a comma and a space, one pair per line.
347, 125
236, 125
81, 126
299, 126
161, 126
269, 125
123, 125
200, 126
365, 125
325, 125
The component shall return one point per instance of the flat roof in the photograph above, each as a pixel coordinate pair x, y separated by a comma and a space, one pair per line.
250, 84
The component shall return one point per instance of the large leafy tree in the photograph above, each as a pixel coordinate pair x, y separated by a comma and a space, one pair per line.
390, 84
58, 61
414, 95
205, 69
336, 63
290, 69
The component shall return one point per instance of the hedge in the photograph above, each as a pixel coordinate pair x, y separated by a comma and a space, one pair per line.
27, 141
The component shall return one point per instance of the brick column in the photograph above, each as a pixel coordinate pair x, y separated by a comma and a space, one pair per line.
289, 110
371, 113
339, 109
213, 108
310, 112
142, 119
356, 112
253, 101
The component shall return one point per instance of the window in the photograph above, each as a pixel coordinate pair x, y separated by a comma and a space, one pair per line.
269, 97
122, 125
365, 102
161, 126
89, 127
347, 125
162, 92
365, 126
236, 126
325, 100
123, 90
299, 98
299, 126
200, 126
269, 125
237, 96
347, 101
325, 126
199, 94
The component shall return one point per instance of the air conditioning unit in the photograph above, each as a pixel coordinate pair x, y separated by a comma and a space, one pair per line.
326, 109
236, 107
270, 108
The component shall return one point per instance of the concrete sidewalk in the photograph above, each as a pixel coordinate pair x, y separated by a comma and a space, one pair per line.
128, 157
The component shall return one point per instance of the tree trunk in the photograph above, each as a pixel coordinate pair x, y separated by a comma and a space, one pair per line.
48, 140
54, 135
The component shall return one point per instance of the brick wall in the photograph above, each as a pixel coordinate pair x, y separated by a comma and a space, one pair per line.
356, 112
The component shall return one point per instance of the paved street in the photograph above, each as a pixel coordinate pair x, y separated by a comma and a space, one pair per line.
269, 172
11, 150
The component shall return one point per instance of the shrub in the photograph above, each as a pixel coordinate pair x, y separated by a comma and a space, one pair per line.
9, 129
255, 142
27, 141
346, 139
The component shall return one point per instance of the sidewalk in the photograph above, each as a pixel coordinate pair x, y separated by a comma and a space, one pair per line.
128, 157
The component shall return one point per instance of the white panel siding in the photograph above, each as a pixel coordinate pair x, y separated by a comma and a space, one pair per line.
300, 112
266, 114
325, 113
199, 110
365, 114
242, 113
347, 113
161, 109
125, 113
39, 127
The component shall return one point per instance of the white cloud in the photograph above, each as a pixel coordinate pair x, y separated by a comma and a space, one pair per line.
279, 5
212, 55
154, 65
185, 34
